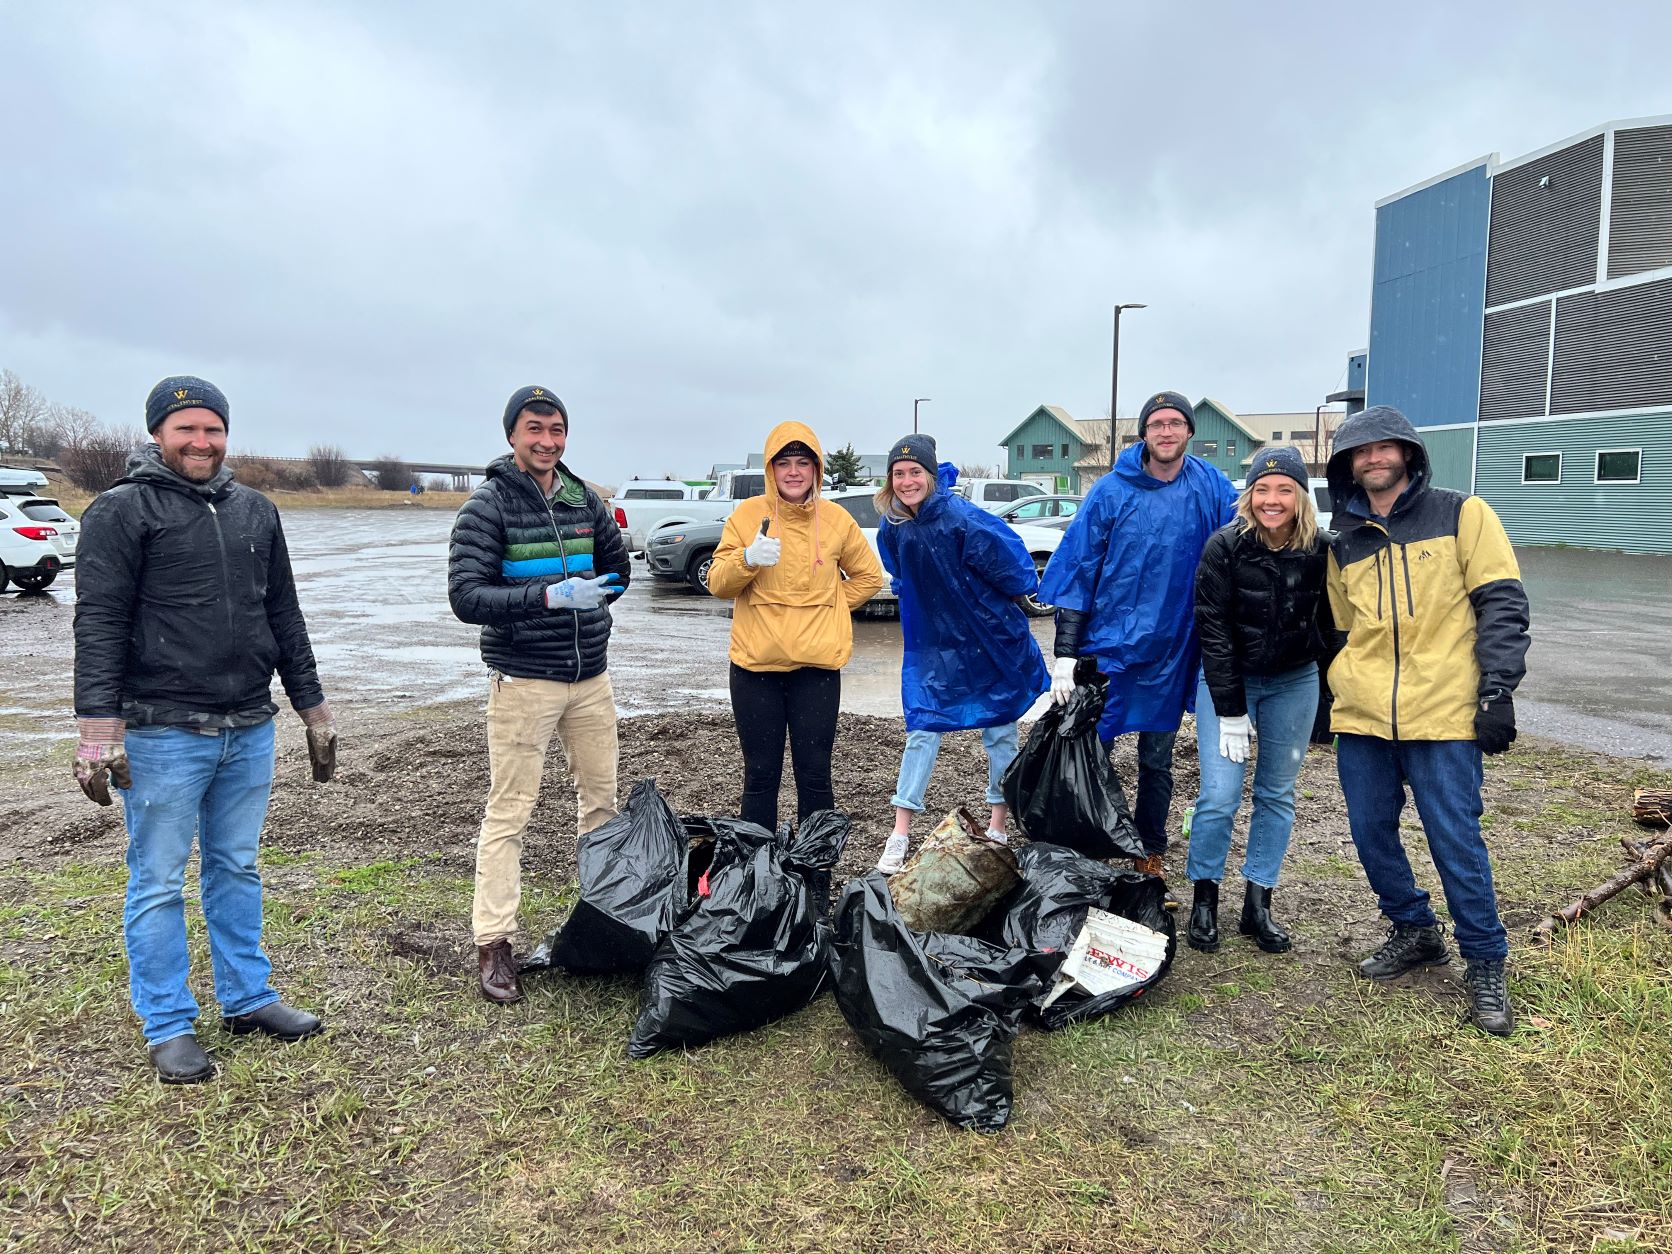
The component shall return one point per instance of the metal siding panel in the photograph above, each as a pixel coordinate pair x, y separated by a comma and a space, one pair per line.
1514, 365
1613, 349
1634, 518
1427, 301
1546, 221
1640, 209
1450, 458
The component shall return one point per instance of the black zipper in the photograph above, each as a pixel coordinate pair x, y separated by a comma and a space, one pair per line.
1393, 596
1405, 561
226, 584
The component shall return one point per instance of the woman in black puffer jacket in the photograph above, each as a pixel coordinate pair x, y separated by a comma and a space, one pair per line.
1263, 619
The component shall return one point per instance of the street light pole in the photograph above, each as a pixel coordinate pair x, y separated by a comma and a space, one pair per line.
1114, 379
916, 401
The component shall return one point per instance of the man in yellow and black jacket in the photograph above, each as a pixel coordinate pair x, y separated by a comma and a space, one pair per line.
1432, 619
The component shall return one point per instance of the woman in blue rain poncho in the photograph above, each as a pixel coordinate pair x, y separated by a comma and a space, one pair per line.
970, 660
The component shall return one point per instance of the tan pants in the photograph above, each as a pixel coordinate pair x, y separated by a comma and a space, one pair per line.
522, 715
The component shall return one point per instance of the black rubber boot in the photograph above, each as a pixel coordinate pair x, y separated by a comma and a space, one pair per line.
1204, 918
1257, 921
1489, 996
181, 1060
1406, 949
277, 1020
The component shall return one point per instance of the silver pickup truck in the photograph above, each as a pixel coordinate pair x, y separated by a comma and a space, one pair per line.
643, 506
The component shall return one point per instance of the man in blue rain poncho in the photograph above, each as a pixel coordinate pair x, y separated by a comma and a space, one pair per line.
1123, 582
970, 660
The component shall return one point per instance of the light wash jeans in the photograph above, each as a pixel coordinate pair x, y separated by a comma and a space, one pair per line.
923, 747
1282, 708
213, 788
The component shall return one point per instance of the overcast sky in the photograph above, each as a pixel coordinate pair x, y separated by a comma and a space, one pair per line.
694, 220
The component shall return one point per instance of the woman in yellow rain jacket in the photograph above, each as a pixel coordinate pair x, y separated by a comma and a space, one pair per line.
797, 568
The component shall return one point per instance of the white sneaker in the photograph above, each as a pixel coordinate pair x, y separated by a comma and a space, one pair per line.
998, 838
893, 854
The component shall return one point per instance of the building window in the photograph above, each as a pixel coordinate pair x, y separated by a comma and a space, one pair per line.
1019, 453
1619, 465
1128, 439
1296, 436
1541, 468
1207, 448
1276, 436
1042, 452
1065, 450
1230, 448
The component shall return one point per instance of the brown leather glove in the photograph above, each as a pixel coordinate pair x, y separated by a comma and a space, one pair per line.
322, 741
101, 757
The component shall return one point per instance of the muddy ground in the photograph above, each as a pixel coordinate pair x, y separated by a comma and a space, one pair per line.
414, 787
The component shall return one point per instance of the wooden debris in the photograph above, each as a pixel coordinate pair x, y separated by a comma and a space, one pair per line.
1648, 869
1652, 807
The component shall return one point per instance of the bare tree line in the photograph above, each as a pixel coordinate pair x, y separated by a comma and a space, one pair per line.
95, 455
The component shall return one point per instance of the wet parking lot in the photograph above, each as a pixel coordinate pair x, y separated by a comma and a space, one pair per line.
373, 586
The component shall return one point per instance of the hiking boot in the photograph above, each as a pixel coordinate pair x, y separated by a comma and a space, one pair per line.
1257, 922
1488, 996
499, 972
282, 1022
181, 1060
1204, 918
894, 854
1406, 949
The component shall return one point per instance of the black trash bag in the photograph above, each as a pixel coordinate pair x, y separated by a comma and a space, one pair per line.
754, 948
1062, 788
633, 891
940, 1011
1048, 910
817, 847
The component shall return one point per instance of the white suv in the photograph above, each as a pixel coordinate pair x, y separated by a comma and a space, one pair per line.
37, 540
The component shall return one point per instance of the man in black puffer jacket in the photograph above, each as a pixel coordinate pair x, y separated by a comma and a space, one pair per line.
185, 607
535, 559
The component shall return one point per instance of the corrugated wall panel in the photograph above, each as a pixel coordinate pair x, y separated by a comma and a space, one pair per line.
1451, 457
1515, 362
1634, 518
1613, 349
1427, 298
1640, 213
1546, 223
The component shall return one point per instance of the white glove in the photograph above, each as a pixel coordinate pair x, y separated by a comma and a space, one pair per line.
1062, 679
581, 594
763, 550
1234, 735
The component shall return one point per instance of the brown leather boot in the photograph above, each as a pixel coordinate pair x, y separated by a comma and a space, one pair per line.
499, 972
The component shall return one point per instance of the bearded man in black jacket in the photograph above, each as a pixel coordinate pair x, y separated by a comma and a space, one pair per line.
185, 607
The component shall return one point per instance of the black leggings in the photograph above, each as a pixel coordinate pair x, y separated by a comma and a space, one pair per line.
766, 705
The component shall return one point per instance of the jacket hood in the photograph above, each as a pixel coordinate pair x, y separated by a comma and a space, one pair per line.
946, 476
1379, 422
1130, 466
147, 466
790, 433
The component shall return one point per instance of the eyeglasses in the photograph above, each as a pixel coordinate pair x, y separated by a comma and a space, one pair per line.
1171, 425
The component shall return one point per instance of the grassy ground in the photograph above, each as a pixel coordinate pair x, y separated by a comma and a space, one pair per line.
1253, 1103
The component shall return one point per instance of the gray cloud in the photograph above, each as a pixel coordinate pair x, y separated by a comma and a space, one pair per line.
694, 221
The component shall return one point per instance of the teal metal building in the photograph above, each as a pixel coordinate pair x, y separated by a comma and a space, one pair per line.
1521, 317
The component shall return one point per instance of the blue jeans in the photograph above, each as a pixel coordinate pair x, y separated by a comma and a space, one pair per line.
923, 747
215, 788
1445, 779
1282, 708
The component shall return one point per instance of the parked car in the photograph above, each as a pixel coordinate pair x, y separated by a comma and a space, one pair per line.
1041, 511
686, 552
37, 540
994, 494
643, 506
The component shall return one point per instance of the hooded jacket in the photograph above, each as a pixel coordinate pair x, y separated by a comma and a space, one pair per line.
509, 544
796, 613
970, 659
1127, 566
1429, 599
185, 604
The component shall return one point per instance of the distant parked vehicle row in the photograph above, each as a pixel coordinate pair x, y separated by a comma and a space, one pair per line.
685, 552
641, 506
993, 495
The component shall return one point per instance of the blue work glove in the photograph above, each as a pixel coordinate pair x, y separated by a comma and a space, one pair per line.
581, 594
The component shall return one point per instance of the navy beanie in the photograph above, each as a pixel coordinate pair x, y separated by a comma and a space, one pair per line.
527, 396
1167, 400
915, 448
183, 391
1278, 461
